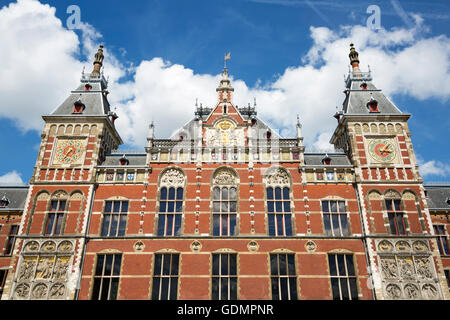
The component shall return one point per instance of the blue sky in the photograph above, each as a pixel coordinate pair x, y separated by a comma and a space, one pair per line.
272, 43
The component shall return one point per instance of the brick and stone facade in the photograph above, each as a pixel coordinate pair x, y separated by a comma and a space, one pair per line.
226, 208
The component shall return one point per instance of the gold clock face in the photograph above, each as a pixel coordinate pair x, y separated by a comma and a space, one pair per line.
69, 151
382, 150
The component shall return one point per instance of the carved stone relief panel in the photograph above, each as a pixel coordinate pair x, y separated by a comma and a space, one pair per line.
172, 178
224, 176
278, 177
43, 270
407, 270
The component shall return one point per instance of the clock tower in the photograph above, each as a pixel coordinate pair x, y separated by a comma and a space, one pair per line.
396, 222
47, 257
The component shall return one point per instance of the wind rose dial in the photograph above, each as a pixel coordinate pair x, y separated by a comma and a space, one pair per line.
382, 150
68, 151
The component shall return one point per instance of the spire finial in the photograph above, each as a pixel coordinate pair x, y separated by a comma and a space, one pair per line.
354, 58
227, 57
98, 61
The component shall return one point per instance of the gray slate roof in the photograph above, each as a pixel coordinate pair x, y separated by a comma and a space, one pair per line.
356, 101
437, 196
337, 159
16, 196
137, 159
94, 100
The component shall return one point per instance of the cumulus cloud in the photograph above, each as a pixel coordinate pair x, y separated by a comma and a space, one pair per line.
42, 63
434, 168
11, 178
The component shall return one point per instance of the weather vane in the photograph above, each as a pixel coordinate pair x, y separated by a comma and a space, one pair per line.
227, 57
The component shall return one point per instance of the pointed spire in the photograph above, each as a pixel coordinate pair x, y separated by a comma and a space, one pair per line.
354, 58
98, 62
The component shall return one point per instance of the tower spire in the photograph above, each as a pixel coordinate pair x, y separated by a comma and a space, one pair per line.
98, 62
354, 58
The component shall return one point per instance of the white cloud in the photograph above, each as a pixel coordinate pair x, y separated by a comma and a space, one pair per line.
434, 168
11, 178
40, 68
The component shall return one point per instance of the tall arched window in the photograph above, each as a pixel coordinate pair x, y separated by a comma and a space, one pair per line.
278, 191
171, 198
54, 224
224, 200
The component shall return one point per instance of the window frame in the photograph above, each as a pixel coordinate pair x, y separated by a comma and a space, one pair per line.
442, 238
160, 276
102, 277
227, 278
119, 221
11, 240
395, 215
3, 277
288, 276
346, 277
284, 215
56, 216
329, 215
177, 215
227, 216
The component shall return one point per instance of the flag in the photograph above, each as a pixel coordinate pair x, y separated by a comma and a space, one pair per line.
228, 56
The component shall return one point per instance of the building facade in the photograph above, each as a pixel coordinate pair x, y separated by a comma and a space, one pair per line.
226, 208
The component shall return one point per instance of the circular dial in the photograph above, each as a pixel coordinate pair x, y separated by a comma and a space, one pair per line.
382, 150
68, 151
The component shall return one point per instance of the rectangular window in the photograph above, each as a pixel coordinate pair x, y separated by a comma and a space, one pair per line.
11, 239
343, 277
224, 211
335, 218
3, 275
55, 218
165, 277
442, 239
283, 276
396, 219
279, 211
224, 276
107, 276
447, 276
115, 219
169, 225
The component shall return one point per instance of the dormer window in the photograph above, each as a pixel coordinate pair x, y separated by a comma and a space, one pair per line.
113, 117
225, 110
87, 87
269, 135
448, 201
181, 138
4, 202
326, 161
363, 86
124, 161
78, 107
254, 122
373, 105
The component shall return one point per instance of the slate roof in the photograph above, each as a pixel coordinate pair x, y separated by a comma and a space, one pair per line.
337, 159
94, 100
16, 196
356, 101
135, 159
437, 196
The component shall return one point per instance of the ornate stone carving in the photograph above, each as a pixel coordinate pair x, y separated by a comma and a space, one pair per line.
173, 178
385, 246
411, 291
310, 246
39, 291
253, 246
139, 246
419, 246
65, 246
406, 268
402, 246
22, 291
389, 268
26, 270
44, 268
224, 177
57, 291
393, 291
61, 267
429, 291
277, 177
31, 246
423, 268
48, 246
196, 246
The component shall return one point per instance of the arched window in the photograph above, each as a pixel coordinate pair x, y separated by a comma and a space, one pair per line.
224, 199
56, 213
171, 203
279, 214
